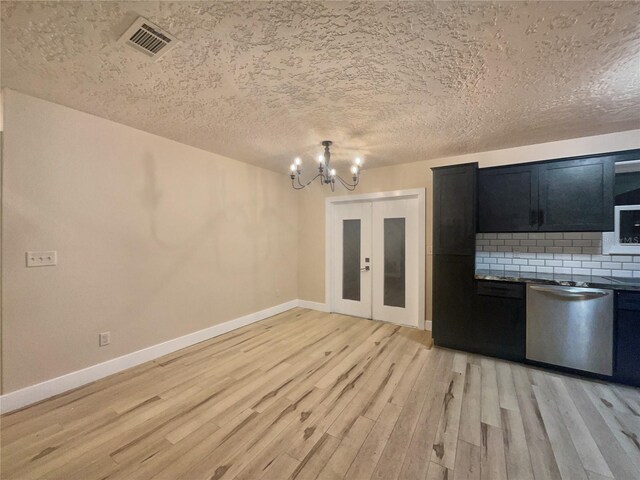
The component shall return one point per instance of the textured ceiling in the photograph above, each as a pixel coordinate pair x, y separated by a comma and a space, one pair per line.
392, 81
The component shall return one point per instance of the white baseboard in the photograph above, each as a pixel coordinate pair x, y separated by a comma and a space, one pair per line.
428, 325
321, 307
34, 393
40, 391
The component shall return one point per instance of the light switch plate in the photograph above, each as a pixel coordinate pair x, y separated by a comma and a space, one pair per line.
42, 259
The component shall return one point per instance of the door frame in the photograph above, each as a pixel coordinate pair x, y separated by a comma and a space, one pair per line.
331, 202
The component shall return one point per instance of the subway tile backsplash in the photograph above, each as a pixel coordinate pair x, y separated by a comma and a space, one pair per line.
558, 253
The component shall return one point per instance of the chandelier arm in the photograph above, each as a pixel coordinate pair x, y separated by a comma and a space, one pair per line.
348, 186
309, 182
293, 184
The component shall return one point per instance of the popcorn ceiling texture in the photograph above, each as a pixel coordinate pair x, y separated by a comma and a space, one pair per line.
394, 82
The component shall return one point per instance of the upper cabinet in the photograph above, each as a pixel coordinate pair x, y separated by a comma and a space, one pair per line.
454, 209
576, 195
508, 199
562, 195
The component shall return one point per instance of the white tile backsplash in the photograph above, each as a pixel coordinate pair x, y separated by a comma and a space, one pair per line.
577, 253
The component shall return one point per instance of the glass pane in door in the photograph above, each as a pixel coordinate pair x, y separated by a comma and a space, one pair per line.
351, 260
394, 262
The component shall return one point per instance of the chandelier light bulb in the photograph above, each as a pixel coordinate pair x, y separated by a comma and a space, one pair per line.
297, 161
333, 172
293, 167
358, 161
354, 170
321, 158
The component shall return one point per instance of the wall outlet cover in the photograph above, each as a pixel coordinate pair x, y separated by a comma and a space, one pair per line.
42, 259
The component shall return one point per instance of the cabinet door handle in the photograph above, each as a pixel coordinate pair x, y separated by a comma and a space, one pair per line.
540, 217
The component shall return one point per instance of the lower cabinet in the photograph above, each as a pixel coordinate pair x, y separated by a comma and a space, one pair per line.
627, 338
499, 319
452, 304
489, 317
478, 316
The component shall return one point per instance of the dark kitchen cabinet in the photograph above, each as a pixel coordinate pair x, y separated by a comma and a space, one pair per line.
454, 192
452, 301
454, 226
627, 338
560, 195
577, 195
508, 199
499, 316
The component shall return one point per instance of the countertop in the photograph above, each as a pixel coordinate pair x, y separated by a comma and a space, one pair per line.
586, 281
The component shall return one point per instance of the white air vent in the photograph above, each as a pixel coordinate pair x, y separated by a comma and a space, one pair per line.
148, 38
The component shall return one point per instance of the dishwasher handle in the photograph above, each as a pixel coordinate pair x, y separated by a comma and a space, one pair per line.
571, 292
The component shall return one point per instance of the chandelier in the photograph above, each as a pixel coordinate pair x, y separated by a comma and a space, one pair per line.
326, 174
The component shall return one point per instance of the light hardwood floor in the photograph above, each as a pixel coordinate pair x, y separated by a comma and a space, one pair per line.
311, 395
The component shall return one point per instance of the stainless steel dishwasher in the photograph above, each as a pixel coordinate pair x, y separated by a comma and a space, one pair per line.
570, 327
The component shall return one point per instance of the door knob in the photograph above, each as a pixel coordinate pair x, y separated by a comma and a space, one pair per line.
366, 269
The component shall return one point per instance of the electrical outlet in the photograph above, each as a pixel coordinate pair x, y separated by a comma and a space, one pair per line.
104, 338
42, 259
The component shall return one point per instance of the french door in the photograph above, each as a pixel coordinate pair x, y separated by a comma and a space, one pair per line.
352, 268
377, 260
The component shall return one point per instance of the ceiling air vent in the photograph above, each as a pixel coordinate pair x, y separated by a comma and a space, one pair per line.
147, 38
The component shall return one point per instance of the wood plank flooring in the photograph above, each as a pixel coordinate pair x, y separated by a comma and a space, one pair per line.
307, 395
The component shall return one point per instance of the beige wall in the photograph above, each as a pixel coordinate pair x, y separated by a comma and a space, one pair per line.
418, 175
155, 239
